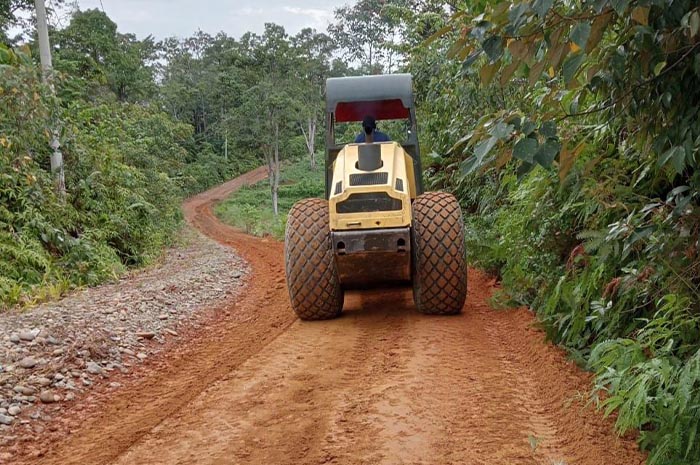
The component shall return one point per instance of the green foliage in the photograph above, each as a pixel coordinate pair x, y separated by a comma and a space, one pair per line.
134, 145
572, 142
127, 169
95, 56
620, 61
651, 386
250, 209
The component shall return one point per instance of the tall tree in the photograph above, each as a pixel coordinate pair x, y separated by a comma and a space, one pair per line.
312, 52
270, 103
91, 47
370, 32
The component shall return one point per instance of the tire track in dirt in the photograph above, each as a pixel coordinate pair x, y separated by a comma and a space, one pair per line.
380, 385
236, 331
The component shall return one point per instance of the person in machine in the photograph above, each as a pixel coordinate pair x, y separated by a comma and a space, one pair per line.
370, 133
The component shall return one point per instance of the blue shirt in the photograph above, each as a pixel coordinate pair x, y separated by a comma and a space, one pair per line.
379, 136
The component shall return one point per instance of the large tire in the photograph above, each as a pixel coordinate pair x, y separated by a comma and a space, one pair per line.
312, 274
439, 254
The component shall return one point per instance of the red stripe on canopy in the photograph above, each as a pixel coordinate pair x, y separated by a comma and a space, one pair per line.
380, 109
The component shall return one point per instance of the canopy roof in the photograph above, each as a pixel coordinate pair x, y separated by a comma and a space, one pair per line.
387, 96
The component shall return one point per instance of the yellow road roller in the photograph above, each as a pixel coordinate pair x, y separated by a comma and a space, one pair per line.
376, 227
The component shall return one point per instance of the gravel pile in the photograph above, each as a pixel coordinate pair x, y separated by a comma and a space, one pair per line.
51, 353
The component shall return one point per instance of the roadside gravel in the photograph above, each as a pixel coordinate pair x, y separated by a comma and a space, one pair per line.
51, 354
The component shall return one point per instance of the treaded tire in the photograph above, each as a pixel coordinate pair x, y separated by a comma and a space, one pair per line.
439, 254
312, 274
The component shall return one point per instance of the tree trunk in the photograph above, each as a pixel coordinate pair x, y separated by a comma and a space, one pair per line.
276, 170
310, 139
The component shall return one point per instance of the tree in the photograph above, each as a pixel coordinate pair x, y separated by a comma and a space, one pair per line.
190, 82
18, 13
312, 53
270, 102
364, 33
375, 33
90, 47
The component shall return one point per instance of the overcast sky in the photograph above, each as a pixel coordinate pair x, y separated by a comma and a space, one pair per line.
164, 18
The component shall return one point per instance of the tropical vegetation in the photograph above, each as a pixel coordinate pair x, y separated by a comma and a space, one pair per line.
573, 142
569, 131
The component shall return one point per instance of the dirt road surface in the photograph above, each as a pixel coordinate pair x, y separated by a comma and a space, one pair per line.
380, 385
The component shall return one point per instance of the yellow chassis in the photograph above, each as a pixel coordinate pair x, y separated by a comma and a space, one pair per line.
397, 164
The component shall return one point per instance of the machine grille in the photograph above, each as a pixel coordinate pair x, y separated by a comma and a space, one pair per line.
368, 179
399, 184
368, 202
338, 187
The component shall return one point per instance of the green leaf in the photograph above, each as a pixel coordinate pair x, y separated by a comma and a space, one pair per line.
515, 15
493, 46
619, 6
439, 33
528, 127
678, 159
468, 165
484, 147
525, 149
501, 130
547, 152
549, 129
659, 67
674, 154
666, 99
571, 65
466, 65
541, 7
598, 5
580, 33
694, 23
481, 150
516, 121
691, 438
523, 169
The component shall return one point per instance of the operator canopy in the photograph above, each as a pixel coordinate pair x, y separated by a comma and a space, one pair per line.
388, 96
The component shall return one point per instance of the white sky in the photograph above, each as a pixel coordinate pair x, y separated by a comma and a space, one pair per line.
181, 18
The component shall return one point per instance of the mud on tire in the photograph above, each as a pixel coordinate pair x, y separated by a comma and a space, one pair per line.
312, 275
439, 254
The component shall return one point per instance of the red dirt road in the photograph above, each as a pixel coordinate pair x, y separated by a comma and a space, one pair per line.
380, 385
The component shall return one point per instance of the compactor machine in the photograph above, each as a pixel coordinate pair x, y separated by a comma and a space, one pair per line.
376, 226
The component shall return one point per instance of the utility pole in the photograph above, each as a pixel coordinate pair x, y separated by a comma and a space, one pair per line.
46, 68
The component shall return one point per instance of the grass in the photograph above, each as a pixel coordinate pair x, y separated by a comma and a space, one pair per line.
250, 208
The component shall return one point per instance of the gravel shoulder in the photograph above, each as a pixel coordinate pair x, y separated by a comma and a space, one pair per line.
52, 355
